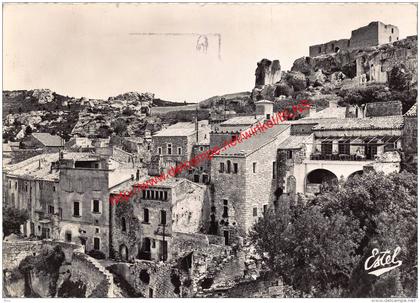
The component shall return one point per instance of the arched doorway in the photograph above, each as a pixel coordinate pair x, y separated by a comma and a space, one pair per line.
320, 179
123, 252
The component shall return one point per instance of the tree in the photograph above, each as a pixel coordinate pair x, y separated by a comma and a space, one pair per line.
120, 127
13, 218
400, 78
320, 248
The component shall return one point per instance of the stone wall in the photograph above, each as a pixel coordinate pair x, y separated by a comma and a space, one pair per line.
99, 282
15, 252
152, 279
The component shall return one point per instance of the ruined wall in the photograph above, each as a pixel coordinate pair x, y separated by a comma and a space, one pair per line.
15, 252
189, 208
152, 280
365, 36
98, 281
329, 47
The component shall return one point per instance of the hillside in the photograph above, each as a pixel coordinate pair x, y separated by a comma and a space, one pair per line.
386, 72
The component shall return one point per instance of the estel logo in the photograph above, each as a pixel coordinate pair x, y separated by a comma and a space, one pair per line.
384, 261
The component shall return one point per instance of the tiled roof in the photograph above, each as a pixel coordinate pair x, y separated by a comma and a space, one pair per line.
178, 129
48, 140
387, 122
257, 141
295, 142
412, 112
243, 120
329, 112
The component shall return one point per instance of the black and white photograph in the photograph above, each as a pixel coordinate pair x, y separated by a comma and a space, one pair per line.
209, 150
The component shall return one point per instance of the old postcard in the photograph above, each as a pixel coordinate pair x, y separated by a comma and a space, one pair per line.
217, 150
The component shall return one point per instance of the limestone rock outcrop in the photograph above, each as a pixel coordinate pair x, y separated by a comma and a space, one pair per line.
267, 72
43, 95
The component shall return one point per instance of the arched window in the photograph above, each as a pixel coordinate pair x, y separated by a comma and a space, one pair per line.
228, 167
123, 224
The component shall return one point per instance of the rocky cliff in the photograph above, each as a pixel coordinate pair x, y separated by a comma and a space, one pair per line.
389, 69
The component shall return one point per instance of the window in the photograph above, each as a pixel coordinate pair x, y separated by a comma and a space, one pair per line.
274, 169
159, 150
53, 188
169, 148
179, 150
222, 168
254, 167
161, 195
234, 138
97, 230
68, 236
267, 116
10, 184
392, 30
153, 243
235, 168
50, 209
165, 195
289, 154
145, 215
150, 292
162, 217
390, 39
265, 208
16, 185
201, 148
96, 243
60, 212
225, 212
255, 211
123, 224
344, 147
319, 49
164, 245
228, 167
95, 206
326, 148
76, 209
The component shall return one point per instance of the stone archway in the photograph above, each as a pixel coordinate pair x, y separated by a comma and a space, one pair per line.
318, 179
356, 173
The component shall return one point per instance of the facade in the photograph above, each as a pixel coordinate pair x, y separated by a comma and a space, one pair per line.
244, 181
321, 153
145, 226
375, 33
174, 144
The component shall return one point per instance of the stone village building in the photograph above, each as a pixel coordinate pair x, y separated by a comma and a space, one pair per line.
145, 226
179, 143
66, 196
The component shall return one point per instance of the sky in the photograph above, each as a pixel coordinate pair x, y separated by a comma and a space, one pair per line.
102, 50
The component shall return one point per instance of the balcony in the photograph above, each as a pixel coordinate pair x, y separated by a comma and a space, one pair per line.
341, 157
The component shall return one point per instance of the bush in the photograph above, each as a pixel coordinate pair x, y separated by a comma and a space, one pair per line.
97, 254
400, 78
13, 218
